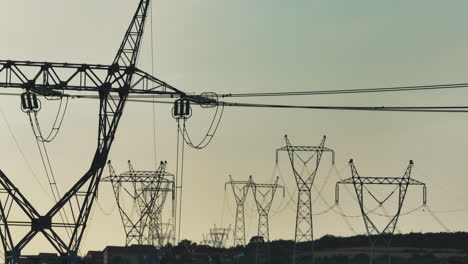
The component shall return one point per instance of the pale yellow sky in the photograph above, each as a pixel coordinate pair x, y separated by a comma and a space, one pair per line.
245, 46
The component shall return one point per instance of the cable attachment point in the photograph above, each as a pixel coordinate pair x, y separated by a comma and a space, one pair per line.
29, 102
182, 109
208, 100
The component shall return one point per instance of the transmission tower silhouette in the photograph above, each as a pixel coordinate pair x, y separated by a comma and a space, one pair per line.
143, 189
161, 233
402, 184
166, 234
206, 240
218, 236
264, 195
113, 84
240, 189
304, 230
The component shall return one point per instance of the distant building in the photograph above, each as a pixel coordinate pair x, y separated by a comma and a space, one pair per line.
95, 257
134, 254
257, 239
49, 258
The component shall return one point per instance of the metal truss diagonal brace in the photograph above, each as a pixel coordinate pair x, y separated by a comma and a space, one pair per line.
18, 197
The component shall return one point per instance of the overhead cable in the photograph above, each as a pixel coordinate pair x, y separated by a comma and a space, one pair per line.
352, 91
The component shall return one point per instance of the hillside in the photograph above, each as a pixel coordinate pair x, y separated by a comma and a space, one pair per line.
414, 248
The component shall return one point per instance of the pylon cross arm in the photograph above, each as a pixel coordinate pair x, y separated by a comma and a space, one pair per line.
304, 148
381, 181
76, 77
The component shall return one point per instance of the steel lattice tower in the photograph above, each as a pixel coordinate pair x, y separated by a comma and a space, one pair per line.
374, 233
304, 228
158, 231
143, 188
219, 236
240, 189
206, 240
113, 83
264, 195
166, 233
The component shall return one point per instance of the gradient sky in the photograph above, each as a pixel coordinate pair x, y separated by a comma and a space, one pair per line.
253, 46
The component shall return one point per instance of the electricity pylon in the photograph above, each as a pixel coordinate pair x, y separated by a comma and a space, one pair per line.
159, 232
240, 189
166, 233
374, 233
264, 195
142, 187
113, 83
304, 226
304, 230
206, 240
219, 236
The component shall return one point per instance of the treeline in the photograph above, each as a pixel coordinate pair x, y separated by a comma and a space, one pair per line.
458, 240
283, 251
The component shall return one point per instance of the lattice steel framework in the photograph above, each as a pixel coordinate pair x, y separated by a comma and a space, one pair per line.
219, 236
402, 184
142, 188
304, 227
264, 195
113, 83
160, 233
206, 240
166, 233
240, 189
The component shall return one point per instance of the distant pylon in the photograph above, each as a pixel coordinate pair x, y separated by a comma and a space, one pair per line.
206, 240
304, 179
219, 236
166, 233
240, 190
264, 195
402, 184
142, 188
304, 230
157, 234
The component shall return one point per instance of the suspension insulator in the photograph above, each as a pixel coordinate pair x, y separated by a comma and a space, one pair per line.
29, 102
337, 194
424, 195
182, 109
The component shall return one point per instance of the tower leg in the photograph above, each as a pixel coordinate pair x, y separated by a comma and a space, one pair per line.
304, 225
263, 227
239, 227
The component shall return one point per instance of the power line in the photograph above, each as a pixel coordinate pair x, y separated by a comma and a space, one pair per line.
337, 91
422, 109
352, 91
329, 92
432, 109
